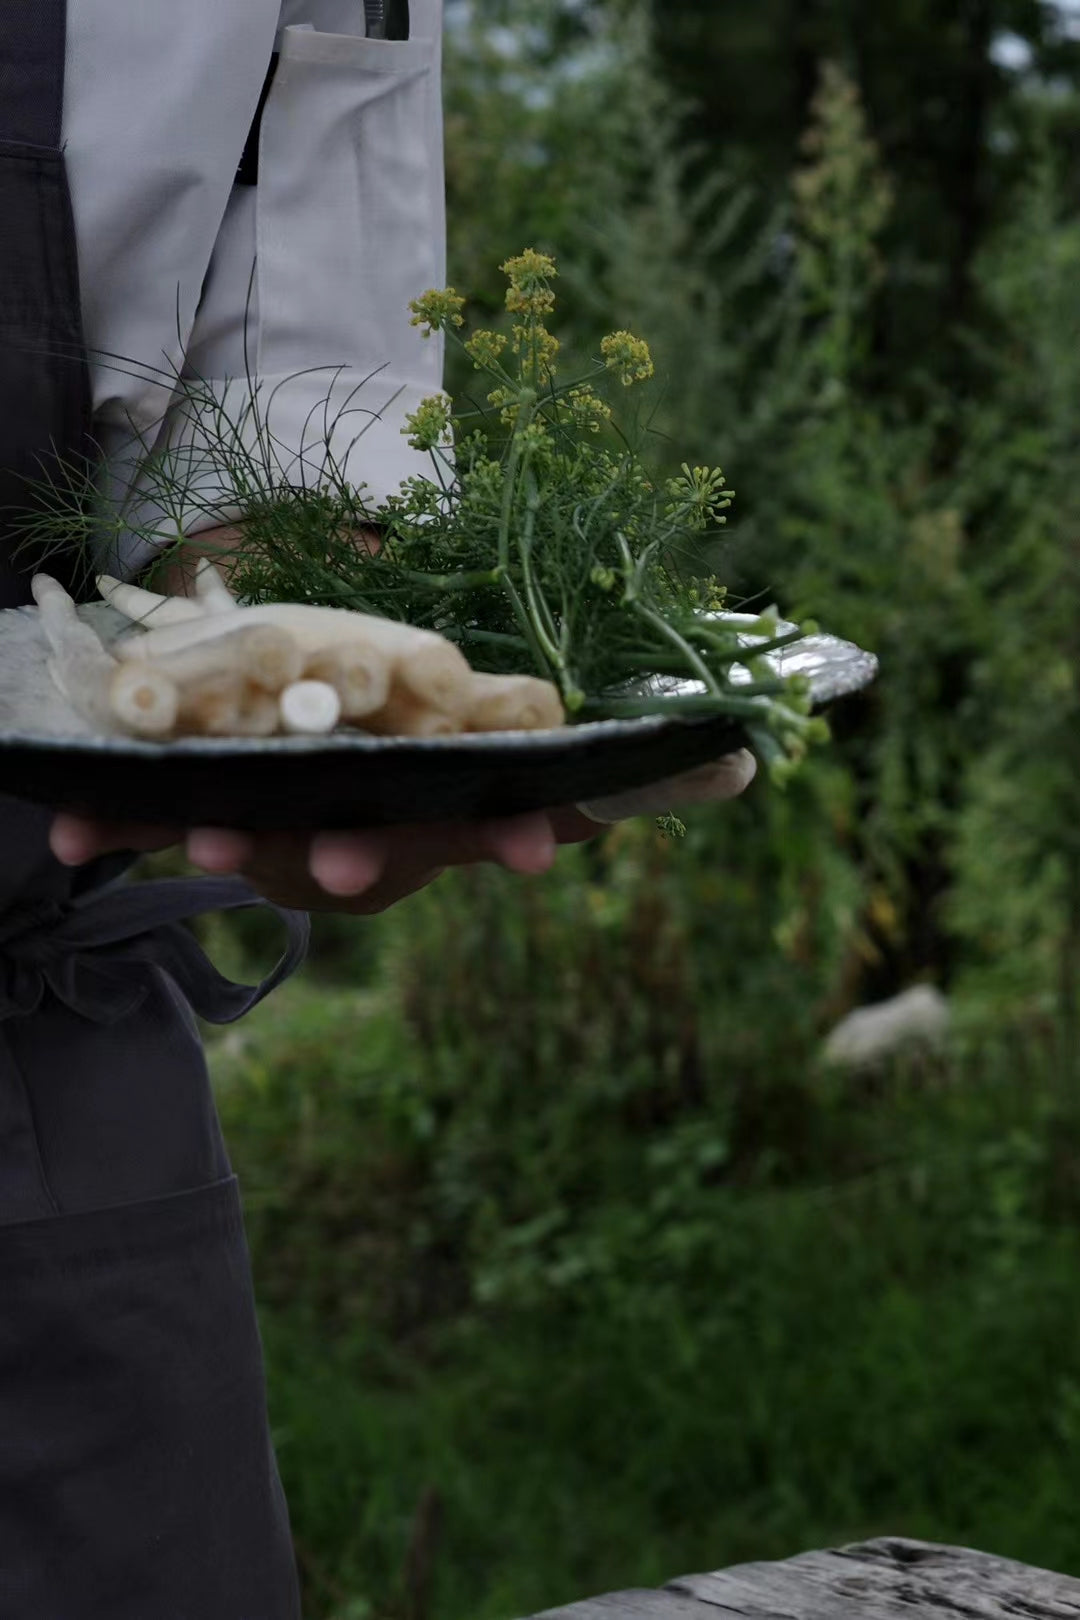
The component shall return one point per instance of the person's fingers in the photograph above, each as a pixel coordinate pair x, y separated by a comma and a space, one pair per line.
382, 863
348, 864
396, 885
721, 779
219, 849
351, 863
524, 844
75, 840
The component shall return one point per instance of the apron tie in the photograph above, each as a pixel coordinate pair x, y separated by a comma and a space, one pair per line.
94, 953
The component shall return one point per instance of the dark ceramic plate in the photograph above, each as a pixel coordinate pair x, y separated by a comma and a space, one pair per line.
351, 779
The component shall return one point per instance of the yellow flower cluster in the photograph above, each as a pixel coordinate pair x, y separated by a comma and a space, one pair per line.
588, 409
429, 425
628, 356
540, 344
529, 293
437, 309
485, 348
507, 402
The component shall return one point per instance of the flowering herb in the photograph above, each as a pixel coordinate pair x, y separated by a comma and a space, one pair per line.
540, 542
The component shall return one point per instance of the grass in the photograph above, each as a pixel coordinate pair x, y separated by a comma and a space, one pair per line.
489, 1404
573, 1458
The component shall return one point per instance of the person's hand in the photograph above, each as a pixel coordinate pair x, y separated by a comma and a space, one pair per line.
365, 872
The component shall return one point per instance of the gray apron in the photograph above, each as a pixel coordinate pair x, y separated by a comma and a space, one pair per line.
137, 1480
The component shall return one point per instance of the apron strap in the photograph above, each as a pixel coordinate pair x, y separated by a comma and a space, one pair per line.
95, 953
46, 432
33, 40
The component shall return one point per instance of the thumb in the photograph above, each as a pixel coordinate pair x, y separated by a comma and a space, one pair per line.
708, 784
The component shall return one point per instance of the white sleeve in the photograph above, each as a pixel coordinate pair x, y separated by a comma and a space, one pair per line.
294, 291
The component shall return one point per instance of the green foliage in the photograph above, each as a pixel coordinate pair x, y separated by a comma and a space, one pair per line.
1022, 803
556, 1305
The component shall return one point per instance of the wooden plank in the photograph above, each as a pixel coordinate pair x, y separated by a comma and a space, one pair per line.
643, 1605
887, 1579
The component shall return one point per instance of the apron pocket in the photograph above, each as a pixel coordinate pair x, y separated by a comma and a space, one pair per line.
349, 205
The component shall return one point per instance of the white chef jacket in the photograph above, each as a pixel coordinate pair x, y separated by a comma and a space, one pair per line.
318, 260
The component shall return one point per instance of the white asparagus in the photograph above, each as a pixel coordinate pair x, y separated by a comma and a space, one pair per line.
271, 657
420, 722
260, 713
237, 709
143, 699
79, 666
309, 708
437, 676
239, 655
431, 724
315, 628
147, 607
432, 671
514, 703
392, 678
402, 715
212, 707
360, 676
266, 654
211, 590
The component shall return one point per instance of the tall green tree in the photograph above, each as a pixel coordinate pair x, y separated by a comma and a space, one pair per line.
945, 102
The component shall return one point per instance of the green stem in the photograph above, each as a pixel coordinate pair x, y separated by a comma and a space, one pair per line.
453, 582
526, 413
691, 654
522, 617
485, 638
721, 641
690, 707
543, 625
643, 670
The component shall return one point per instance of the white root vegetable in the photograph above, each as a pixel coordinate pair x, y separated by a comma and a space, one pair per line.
213, 707
430, 723
80, 667
270, 656
260, 714
143, 700
394, 679
514, 703
309, 708
147, 607
225, 686
222, 707
316, 629
427, 673
257, 653
360, 677
403, 716
264, 653
434, 675
211, 590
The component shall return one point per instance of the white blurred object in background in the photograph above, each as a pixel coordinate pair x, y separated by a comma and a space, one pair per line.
915, 1021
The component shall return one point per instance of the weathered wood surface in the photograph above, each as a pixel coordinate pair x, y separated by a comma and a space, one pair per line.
889, 1579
